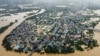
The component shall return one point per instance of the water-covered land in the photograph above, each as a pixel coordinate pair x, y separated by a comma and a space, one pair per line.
57, 31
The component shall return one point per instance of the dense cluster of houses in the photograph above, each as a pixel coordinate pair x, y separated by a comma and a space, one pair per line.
64, 35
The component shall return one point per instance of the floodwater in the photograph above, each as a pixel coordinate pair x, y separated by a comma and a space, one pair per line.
5, 20
3, 52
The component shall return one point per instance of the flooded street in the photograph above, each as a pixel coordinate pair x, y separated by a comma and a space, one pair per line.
3, 52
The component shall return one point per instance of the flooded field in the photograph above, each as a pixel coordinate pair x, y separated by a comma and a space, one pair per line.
3, 52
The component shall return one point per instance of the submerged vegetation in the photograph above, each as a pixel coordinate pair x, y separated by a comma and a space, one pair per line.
2, 29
